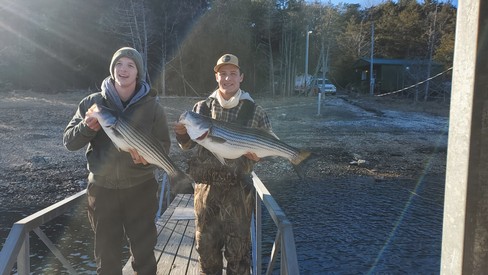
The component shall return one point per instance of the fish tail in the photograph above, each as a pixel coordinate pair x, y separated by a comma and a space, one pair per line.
302, 155
300, 162
182, 183
299, 171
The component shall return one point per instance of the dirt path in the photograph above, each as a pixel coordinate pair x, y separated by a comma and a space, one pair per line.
352, 136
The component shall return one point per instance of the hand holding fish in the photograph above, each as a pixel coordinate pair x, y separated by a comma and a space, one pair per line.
91, 121
252, 156
180, 129
137, 158
230, 141
143, 147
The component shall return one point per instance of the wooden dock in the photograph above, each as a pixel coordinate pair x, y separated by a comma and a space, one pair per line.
175, 250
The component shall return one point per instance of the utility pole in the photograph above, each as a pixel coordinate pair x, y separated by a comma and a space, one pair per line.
431, 49
306, 60
371, 76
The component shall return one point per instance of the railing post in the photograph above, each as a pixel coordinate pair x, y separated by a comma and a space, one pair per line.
17, 245
319, 101
288, 250
259, 236
284, 241
23, 260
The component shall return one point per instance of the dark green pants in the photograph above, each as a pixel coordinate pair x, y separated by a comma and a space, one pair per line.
115, 213
223, 219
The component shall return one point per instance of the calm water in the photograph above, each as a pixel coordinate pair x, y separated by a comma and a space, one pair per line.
365, 227
344, 226
70, 232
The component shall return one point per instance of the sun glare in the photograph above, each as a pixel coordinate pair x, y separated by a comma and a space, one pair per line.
23, 25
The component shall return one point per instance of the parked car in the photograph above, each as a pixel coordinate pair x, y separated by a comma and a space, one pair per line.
323, 85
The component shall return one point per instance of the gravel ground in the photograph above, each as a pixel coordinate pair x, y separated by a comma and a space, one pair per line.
381, 138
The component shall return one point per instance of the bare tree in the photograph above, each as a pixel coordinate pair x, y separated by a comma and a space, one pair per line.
129, 23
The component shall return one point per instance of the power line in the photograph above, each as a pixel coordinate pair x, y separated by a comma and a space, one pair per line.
417, 84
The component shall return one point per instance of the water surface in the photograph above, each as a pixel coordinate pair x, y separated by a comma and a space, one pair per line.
341, 226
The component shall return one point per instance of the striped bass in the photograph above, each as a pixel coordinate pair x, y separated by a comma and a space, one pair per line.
230, 141
125, 137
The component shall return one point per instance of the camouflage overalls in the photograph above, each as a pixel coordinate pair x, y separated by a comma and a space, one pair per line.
224, 197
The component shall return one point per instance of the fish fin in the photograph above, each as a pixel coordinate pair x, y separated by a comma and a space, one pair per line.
118, 135
273, 134
216, 139
117, 147
299, 171
220, 158
203, 136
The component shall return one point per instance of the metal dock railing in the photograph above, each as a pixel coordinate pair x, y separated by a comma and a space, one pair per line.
175, 250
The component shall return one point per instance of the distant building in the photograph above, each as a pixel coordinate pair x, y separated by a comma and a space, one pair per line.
392, 74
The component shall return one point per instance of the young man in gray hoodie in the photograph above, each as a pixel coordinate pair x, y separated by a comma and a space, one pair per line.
122, 189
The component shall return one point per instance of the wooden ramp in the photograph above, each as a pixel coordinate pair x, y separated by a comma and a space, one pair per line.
175, 250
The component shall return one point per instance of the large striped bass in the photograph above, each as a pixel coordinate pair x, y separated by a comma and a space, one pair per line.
125, 136
230, 141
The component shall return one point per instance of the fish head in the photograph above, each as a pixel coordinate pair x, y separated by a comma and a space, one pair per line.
196, 124
104, 115
108, 120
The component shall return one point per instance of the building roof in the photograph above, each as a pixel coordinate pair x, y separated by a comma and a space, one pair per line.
384, 61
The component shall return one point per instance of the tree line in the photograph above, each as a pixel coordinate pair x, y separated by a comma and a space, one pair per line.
57, 45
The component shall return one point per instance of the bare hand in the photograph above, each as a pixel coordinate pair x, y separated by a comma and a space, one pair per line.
91, 121
252, 156
180, 129
136, 157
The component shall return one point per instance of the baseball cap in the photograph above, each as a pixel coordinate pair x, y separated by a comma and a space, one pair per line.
227, 59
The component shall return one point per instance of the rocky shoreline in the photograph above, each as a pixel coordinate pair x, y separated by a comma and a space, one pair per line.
36, 170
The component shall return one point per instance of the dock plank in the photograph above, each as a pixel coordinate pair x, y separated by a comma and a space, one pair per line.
183, 258
173, 240
174, 250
